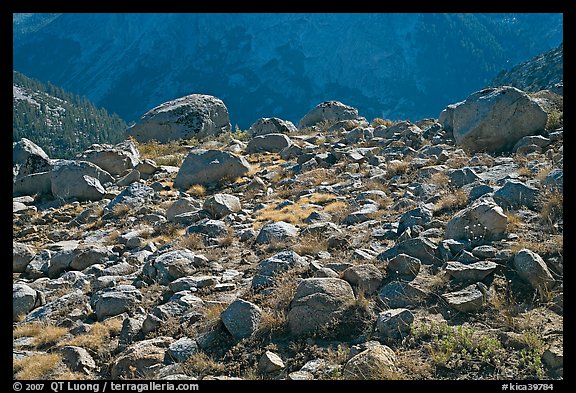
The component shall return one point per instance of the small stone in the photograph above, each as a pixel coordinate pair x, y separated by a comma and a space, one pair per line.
241, 318
270, 363
180, 350
469, 299
394, 323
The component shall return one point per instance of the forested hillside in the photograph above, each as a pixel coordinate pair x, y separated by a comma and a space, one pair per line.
62, 123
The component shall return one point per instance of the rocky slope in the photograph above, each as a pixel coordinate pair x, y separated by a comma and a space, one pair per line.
339, 250
63, 124
399, 66
544, 71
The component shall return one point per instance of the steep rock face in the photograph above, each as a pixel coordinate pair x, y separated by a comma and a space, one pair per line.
195, 115
543, 71
386, 65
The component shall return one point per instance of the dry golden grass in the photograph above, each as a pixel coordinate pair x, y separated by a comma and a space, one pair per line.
167, 233
515, 222
457, 162
155, 150
413, 365
317, 198
542, 173
551, 245
228, 239
338, 210
555, 120
381, 122
98, 335
276, 303
112, 238
440, 179
524, 172
197, 190
37, 366
69, 375
336, 207
120, 210
452, 201
551, 208
43, 334
293, 214
170, 160
310, 245
200, 364
383, 202
272, 321
397, 167
374, 184
317, 176
194, 241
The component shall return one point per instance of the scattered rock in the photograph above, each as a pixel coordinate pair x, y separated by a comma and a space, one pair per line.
300, 376
418, 216
33, 184
22, 254
79, 180
318, 301
554, 180
378, 362
461, 177
78, 359
269, 143
131, 177
270, 363
180, 206
271, 125
467, 300
514, 194
241, 318
418, 247
553, 357
113, 301
329, 111
394, 323
171, 265
483, 220
220, 205
24, 300
180, 350
366, 278
361, 215
404, 266
208, 167
276, 231
473, 272
116, 160
532, 269
133, 196
213, 229
139, 358
29, 158
399, 294
278, 263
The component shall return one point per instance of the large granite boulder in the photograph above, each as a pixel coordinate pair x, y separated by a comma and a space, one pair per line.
195, 115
